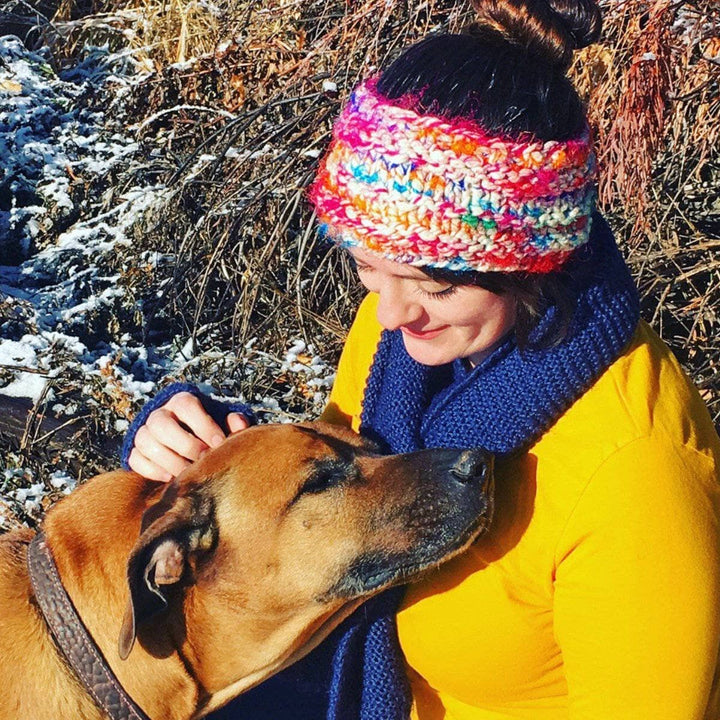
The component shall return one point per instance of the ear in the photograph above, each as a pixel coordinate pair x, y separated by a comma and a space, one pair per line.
176, 531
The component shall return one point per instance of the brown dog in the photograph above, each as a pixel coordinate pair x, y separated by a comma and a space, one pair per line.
235, 570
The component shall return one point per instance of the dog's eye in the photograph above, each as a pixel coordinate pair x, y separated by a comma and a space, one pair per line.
326, 476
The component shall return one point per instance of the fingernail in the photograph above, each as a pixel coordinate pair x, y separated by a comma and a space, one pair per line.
167, 477
216, 440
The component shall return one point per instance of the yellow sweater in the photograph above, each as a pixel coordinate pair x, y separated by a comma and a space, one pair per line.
596, 593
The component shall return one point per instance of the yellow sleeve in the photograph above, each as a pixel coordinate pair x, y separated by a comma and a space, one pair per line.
345, 404
637, 594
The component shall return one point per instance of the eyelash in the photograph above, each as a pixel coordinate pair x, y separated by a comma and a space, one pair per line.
439, 295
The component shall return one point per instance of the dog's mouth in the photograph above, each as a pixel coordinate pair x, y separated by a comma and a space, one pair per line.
413, 571
374, 571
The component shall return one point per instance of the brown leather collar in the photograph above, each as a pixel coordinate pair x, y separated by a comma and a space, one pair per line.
72, 638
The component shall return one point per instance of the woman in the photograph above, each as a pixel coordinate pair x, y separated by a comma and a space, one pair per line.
500, 314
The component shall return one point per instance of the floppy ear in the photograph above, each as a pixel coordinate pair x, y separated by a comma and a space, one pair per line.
175, 531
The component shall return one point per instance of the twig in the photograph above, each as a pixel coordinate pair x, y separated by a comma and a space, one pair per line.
32, 417
178, 108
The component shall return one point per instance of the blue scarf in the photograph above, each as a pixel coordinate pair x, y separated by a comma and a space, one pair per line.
504, 404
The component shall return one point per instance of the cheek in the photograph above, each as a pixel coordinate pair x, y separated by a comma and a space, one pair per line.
503, 313
492, 315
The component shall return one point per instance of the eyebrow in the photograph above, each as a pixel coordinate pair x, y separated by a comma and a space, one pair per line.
342, 449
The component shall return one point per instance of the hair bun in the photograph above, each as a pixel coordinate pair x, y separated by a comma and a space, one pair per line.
552, 29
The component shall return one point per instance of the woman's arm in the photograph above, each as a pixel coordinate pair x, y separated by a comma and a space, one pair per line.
345, 404
637, 587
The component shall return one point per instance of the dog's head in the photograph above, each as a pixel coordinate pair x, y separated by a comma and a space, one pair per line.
284, 530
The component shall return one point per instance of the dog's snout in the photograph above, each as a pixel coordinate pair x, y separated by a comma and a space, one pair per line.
471, 466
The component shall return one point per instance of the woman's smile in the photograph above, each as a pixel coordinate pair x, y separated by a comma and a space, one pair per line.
422, 334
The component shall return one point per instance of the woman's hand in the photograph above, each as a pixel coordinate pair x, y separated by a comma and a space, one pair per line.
175, 435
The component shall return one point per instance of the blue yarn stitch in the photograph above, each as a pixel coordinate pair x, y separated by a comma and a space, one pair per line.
513, 397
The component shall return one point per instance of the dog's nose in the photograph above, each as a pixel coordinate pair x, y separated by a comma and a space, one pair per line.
471, 466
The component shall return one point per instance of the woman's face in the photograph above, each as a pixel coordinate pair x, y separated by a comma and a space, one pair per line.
439, 322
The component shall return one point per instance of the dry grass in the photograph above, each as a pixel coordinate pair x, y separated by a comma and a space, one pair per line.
248, 259
654, 101
237, 132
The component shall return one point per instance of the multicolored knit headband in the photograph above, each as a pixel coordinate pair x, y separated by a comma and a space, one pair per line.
427, 191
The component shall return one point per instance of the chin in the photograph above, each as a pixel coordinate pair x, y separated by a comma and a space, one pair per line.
424, 353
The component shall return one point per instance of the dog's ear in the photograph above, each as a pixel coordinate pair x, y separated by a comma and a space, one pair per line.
174, 533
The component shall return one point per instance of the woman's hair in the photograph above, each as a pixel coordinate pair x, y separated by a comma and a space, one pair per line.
506, 72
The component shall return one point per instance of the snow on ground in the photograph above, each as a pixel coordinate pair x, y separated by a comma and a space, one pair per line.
62, 253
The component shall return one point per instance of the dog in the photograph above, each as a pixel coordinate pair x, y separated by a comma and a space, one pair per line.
198, 590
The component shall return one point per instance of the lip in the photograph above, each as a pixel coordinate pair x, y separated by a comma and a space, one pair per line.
423, 334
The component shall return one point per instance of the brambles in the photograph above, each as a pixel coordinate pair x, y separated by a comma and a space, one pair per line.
655, 107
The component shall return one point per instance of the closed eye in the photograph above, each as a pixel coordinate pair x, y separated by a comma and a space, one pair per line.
439, 294
326, 475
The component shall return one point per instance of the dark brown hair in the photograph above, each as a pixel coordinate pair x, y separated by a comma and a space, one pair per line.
507, 72
552, 29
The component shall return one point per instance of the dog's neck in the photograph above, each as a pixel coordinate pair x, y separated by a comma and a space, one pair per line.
97, 531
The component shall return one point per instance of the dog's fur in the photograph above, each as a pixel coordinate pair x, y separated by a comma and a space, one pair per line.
238, 568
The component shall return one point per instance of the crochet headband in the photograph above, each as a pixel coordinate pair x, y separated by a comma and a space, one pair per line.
427, 191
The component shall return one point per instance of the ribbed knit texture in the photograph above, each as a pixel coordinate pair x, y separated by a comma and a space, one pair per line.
368, 674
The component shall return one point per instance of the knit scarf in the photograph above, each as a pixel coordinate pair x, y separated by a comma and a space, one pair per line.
504, 405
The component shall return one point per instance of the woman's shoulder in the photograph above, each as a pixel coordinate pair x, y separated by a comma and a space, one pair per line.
345, 403
645, 392
642, 404
653, 396
366, 315
364, 336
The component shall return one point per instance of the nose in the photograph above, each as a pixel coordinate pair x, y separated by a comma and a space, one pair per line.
472, 466
395, 308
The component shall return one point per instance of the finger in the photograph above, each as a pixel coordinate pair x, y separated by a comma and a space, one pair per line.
189, 410
142, 466
158, 453
165, 428
237, 422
